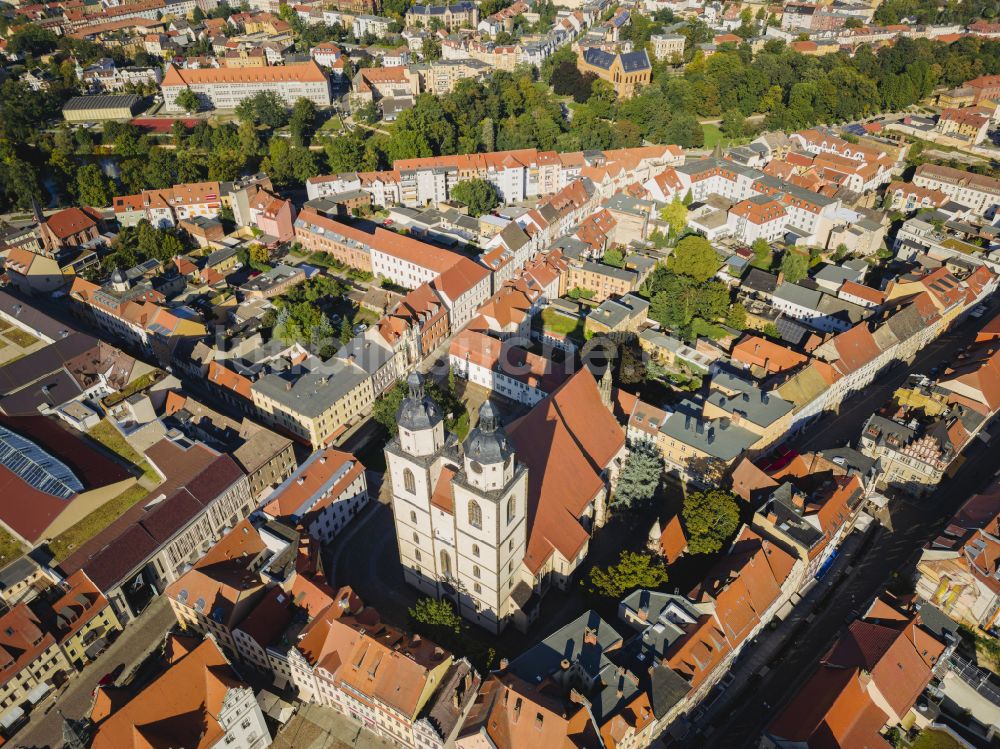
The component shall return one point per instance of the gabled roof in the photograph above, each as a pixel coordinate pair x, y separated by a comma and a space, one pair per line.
567, 441
179, 708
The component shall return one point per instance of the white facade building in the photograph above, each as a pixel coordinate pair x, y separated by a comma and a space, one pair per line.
461, 522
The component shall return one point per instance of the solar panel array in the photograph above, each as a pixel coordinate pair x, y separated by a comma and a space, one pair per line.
36, 467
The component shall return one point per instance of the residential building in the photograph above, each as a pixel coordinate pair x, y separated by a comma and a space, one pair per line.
69, 229
871, 677
323, 495
978, 192
669, 47
441, 76
408, 262
966, 123
197, 701
272, 283
316, 402
345, 243
603, 281
266, 457
403, 688
504, 368
624, 314
133, 313
458, 15
33, 659
955, 573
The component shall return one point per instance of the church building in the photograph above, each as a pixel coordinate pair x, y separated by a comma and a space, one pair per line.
492, 522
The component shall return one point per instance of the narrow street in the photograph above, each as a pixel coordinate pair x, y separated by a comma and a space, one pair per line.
140, 637
894, 552
752, 702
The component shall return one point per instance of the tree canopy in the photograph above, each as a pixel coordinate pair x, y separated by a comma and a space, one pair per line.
640, 476
477, 194
633, 570
694, 257
711, 518
795, 265
263, 108
435, 617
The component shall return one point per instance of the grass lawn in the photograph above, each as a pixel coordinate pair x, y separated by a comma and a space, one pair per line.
932, 739
22, 339
139, 383
701, 327
713, 135
10, 548
557, 322
365, 316
66, 543
111, 438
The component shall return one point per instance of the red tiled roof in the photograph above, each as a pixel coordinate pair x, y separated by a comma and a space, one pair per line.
566, 441
70, 221
176, 709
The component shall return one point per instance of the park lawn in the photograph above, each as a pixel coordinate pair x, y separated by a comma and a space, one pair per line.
111, 438
10, 548
75, 536
713, 136
22, 339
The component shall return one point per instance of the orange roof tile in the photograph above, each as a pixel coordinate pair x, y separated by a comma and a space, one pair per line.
178, 708
566, 441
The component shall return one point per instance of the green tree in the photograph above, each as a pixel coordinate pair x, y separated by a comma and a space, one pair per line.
263, 108
693, 256
711, 518
302, 122
675, 214
794, 265
734, 124
632, 571
346, 153
346, 330
436, 618
92, 187
385, 408
614, 257
761, 254
478, 195
188, 100
20, 183
249, 139
640, 476
736, 316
